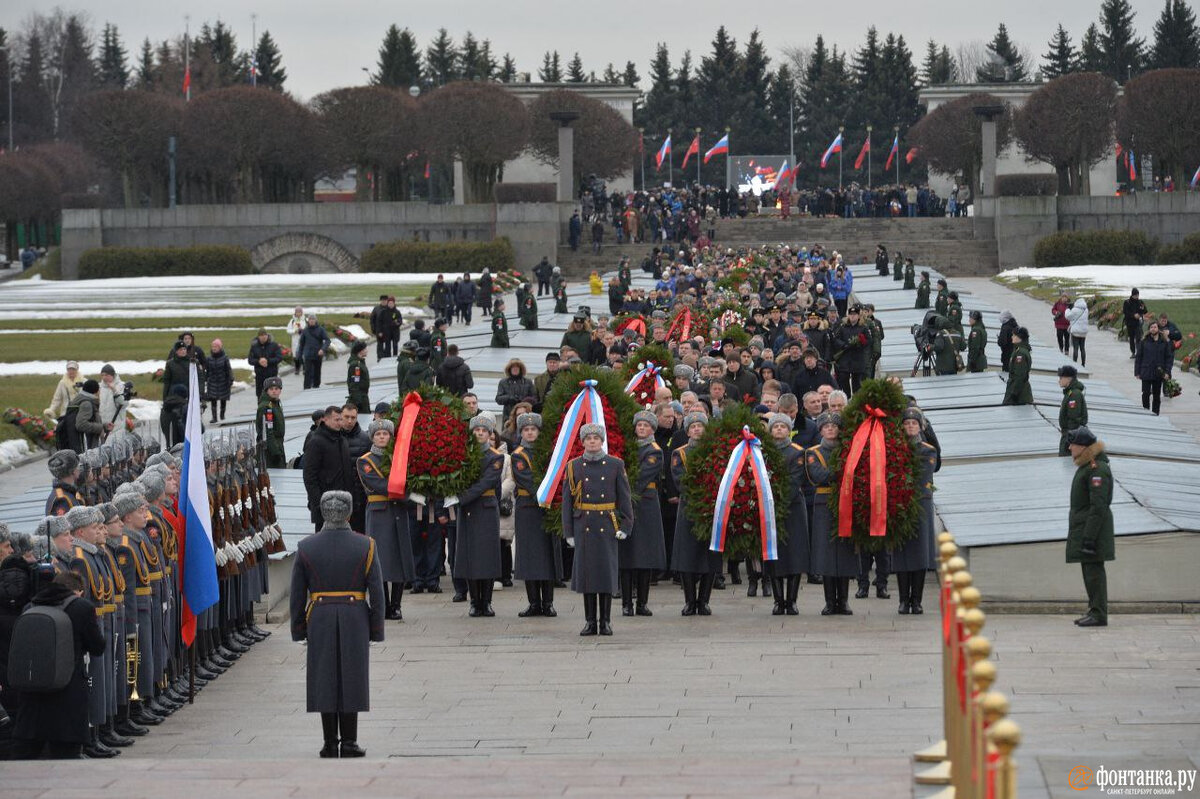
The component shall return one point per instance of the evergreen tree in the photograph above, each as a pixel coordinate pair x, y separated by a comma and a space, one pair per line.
1121, 50
441, 59
1062, 58
657, 112
685, 92
757, 126
611, 76
1091, 59
939, 67
630, 77
869, 87
1176, 40
32, 118
1011, 64
5, 66
219, 45
475, 60
75, 75
508, 70
486, 65
114, 69
780, 102
145, 70
899, 80
575, 70
719, 81
271, 74
551, 71
399, 62
825, 97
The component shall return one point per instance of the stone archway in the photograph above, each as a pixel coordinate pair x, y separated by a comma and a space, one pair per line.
302, 254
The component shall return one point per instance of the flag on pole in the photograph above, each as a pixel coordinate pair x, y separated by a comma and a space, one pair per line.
722, 146
641, 142
427, 170
187, 80
693, 149
892, 153
862, 154
1195, 178
1132, 160
1120, 150
196, 551
836, 147
785, 176
664, 153
910, 155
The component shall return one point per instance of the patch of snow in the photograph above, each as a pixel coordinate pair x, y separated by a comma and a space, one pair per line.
331, 280
144, 410
86, 368
358, 332
13, 452
1166, 282
156, 310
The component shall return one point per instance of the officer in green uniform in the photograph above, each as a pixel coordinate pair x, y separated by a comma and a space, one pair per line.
954, 312
923, 291
418, 373
1090, 539
527, 311
358, 379
942, 303
977, 344
437, 344
1018, 391
910, 274
875, 330
624, 277
946, 345
406, 362
499, 325
577, 336
1073, 412
560, 297
269, 423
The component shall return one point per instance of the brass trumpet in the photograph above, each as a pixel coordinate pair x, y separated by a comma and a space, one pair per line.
133, 658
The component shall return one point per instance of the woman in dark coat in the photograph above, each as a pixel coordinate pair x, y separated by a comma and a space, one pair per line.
337, 606
919, 554
792, 560
477, 543
691, 558
644, 552
59, 719
386, 518
484, 298
218, 384
513, 387
538, 558
834, 558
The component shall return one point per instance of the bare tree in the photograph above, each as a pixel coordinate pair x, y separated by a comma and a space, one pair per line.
970, 56
1160, 114
605, 144
950, 138
375, 130
1068, 123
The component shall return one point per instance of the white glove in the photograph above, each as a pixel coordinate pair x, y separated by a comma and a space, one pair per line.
258, 540
571, 542
622, 535
450, 502
417, 498
219, 556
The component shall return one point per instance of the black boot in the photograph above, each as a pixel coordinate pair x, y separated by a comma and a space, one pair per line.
916, 591
793, 593
127, 727
704, 594
735, 576
485, 590
348, 722
864, 588
768, 584
329, 730
96, 750
111, 738
688, 579
830, 608
393, 605
547, 592
626, 592
843, 594
473, 595
590, 605
780, 598
902, 585
535, 601
606, 614
752, 578
643, 593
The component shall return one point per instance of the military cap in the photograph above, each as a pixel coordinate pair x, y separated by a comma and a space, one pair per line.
529, 419
647, 417
63, 463
695, 417
484, 420
126, 502
272, 382
913, 412
79, 517
829, 417
684, 371
591, 430
381, 424
778, 418
336, 507
1082, 436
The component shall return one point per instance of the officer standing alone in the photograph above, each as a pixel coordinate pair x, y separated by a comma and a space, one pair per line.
1090, 540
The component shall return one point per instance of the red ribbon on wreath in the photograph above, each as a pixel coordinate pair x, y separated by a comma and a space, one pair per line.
870, 431
684, 322
398, 479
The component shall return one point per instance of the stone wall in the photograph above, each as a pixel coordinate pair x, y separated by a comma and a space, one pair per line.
314, 236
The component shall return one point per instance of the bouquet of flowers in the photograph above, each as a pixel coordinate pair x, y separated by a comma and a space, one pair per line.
343, 335
36, 428
157, 377
706, 467
1171, 388
434, 444
687, 322
618, 408
506, 280
874, 521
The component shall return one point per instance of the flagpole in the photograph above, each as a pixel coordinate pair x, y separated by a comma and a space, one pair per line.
670, 164
698, 158
868, 156
896, 140
187, 57
841, 130
728, 160
642, 154
254, 49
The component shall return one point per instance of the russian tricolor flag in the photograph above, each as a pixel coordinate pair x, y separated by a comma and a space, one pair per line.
836, 147
720, 147
892, 153
196, 551
785, 175
664, 153
1195, 178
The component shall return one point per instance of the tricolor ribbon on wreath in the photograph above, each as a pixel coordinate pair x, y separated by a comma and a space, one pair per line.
398, 479
748, 452
584, 409
869, 432
649, 369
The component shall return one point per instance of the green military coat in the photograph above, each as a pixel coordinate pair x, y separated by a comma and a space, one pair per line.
976, 348
1091, 508
1018, 391
269, 424
922, 294
499, 330
1072, 413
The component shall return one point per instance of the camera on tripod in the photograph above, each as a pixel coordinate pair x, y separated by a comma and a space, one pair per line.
923, 336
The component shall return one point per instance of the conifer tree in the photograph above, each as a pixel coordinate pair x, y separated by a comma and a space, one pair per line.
1121, 51
1062, 58
1011, 67
113, 67
1176, 40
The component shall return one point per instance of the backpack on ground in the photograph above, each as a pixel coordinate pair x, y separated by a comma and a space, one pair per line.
41, 658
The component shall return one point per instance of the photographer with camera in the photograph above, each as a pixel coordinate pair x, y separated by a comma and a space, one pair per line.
923, 337
115, 394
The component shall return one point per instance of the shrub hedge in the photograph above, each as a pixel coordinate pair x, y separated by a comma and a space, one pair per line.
448, 257
209, 259
526, 193
1038, 185
1071, 248
1186, 252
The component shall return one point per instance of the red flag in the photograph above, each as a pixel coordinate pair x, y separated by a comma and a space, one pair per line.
427, 170
908, 158
693, 149
187, 79
862, 154
641, 143
1120, 150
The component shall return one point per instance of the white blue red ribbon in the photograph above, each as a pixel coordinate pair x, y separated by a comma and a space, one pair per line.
584, 409
748, 451
649, 369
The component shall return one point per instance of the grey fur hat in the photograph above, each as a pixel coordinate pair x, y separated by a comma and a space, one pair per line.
5, 535
694, 417
913, 412
685, 371
646, 416
126, 502
80, 516
484, 420
591, 430
336, 507
63, 463
829, 417
108, 510
160, 469
529, 419
381, 424
778, 418
151, 486
160, 457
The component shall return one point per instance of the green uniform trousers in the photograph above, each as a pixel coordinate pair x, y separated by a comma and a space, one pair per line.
1095, 581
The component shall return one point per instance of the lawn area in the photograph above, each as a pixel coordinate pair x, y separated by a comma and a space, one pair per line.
179, 323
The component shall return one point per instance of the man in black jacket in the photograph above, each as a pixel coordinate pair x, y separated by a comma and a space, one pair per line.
1152, 365
383, 339
810, 376
853, 344
265, 356
327, 465
454, 374
358, 443
1133, 310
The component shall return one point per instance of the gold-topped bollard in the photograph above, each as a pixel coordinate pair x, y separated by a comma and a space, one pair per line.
1005, 735
947, 550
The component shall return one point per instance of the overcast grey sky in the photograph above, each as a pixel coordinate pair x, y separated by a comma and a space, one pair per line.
325, 44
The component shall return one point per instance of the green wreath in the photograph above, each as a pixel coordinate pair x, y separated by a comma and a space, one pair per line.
656, 353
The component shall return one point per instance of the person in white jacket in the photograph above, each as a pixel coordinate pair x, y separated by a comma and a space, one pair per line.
112, 398
295, 327
64, 392
1078, 319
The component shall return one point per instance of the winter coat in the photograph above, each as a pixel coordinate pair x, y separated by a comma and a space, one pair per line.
386, 521
271, 351
477, 550
832, 556
1017, 391
646, 548
327, 467
538, 554
794, 551
1077, 318
601, 484
313, 341
512, 390
1059, 312
358, 383
977, 348
919, 552
1091, 518
1155, 357
89, 427
688, 553
1008, 324
175, 372
484, 300
220, 377
410, 375
112, 401
464, 293
64, 392
853, 343
1072, 413
455, 376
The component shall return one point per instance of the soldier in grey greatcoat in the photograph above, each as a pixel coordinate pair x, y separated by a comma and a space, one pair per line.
833, 558
597, 511
337, 607
792, 558
386, 518
691, 558
477, 548
538, 558
644, 552
918, 554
